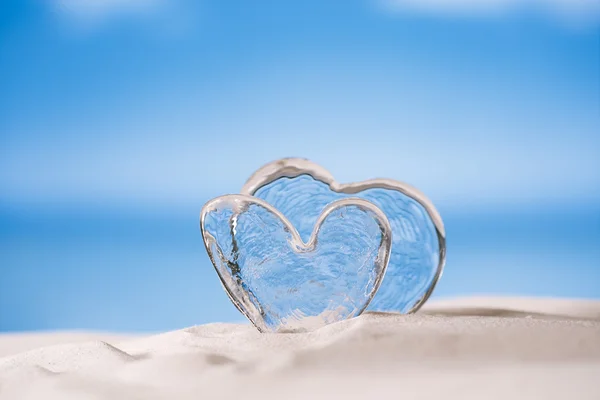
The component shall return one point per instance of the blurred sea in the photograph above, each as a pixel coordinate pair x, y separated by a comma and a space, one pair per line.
124, 270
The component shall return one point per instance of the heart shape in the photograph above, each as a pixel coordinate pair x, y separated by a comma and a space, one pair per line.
301, 189
282, 283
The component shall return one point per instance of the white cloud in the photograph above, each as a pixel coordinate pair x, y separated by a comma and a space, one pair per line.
172, 17
101, 9
575, 11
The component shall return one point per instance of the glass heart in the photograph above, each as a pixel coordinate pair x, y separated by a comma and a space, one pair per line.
282, 283
301, 189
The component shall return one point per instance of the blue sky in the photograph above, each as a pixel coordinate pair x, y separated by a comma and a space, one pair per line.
131, 103
145, 109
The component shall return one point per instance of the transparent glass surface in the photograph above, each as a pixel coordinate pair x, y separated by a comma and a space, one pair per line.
415, 255
283, 283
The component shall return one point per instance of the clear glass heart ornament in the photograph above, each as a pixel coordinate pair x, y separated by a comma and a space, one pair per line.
301, 189
281, 282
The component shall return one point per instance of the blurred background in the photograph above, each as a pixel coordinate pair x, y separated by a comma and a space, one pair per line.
120, 118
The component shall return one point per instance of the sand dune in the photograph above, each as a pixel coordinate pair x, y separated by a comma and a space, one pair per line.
463, 348
13, 343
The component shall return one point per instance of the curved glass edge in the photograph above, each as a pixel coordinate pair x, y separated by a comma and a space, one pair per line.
293, 167
245, 200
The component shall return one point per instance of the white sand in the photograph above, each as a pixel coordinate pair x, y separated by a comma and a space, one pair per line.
13, 343
466, 349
